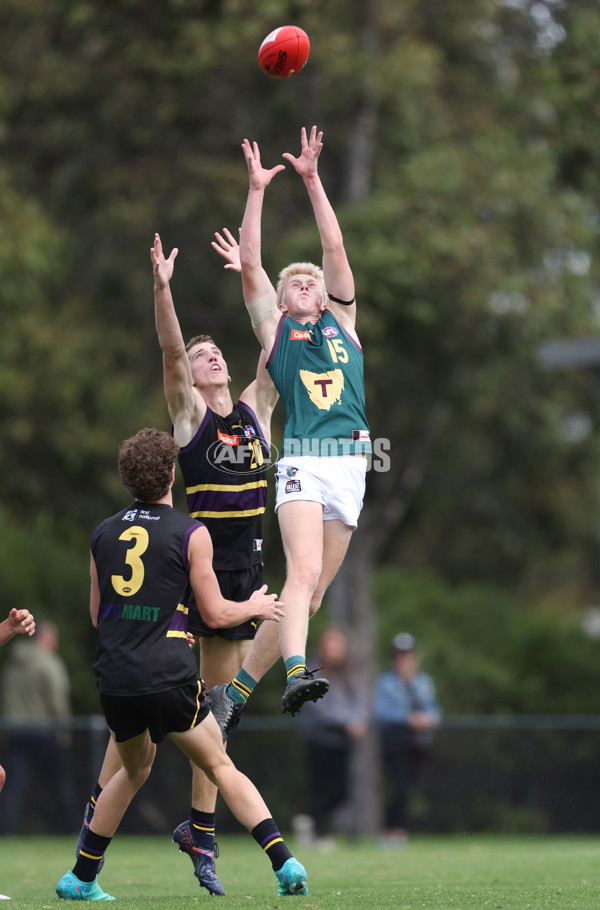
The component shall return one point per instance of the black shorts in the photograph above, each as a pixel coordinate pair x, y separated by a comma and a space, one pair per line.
235, 584
172, 711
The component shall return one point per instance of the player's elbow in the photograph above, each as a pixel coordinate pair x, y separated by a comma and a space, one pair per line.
216, 618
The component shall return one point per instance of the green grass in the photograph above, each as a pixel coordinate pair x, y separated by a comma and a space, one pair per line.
445, 873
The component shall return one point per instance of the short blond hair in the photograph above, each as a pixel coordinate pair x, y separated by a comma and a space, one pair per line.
300, 268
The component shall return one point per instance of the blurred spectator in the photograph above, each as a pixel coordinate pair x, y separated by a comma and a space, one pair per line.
34, 695
18, 622
329, 727
406, 711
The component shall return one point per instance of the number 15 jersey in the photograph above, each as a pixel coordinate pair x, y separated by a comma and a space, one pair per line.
318, 372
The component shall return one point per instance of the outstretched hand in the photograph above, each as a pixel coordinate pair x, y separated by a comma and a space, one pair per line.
260, 177
228, 248
163, 268
266, 605
306, 163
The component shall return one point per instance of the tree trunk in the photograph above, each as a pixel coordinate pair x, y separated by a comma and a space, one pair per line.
352, 609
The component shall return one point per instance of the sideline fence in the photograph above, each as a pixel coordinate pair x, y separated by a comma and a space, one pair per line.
504, 773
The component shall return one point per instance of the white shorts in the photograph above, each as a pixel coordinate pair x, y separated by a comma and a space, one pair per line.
336, 481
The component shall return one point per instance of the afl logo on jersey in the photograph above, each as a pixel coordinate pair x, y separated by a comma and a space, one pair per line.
329, 331
249, 431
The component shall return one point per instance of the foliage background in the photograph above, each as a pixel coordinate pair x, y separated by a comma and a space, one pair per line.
461, 154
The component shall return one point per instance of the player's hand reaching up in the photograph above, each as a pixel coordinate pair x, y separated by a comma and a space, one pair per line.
306, 164
228, 248
163, 268
260, 177
266, 605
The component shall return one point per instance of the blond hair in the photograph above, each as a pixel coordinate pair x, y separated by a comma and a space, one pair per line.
300, 268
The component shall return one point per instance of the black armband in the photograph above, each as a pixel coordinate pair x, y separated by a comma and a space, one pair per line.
342, 302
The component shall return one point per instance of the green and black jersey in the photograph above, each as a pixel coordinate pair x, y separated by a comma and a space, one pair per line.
318, 372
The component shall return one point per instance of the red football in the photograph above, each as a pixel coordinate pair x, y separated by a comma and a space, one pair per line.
284, 52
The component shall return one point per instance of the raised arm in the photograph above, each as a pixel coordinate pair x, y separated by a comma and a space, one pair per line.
339, 280
216, 610
186, 406
259, 293
261, 396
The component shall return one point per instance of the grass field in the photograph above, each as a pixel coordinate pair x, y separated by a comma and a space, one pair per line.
445, 873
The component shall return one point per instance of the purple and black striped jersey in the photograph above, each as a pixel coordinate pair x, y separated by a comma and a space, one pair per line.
224, 468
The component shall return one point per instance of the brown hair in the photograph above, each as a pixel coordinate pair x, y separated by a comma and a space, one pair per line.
200, 339
146, 463
300, 268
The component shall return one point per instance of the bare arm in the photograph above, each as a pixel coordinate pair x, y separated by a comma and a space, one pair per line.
94, 593
18, 622
339, 280
215, 610
255, 281
186, 406
261, 395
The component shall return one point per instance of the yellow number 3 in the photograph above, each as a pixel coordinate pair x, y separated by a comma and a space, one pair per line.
140, 538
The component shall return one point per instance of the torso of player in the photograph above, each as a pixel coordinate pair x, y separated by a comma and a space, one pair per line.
318, 372
142, 563
224, 471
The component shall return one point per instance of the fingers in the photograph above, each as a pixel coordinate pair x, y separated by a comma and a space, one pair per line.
25, 619
225, 244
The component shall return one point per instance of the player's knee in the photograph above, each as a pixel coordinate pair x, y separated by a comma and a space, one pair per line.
219, 767
2, 776
138, 774
305, 576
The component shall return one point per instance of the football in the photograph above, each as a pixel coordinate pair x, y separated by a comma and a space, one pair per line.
284, 52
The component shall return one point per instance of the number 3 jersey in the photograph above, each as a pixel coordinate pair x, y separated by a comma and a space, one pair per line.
318, 372
141, 557
224, 471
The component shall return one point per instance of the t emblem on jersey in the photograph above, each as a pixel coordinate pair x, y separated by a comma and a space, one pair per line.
324, 389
